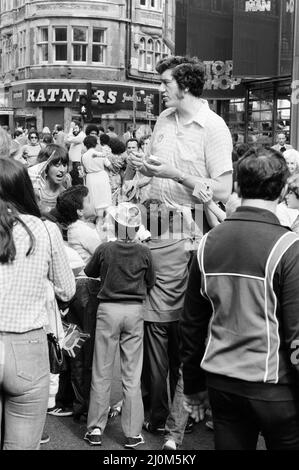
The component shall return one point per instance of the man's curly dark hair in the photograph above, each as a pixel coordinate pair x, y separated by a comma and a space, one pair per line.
189, 72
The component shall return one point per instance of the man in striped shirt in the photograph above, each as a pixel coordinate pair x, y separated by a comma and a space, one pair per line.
190, 142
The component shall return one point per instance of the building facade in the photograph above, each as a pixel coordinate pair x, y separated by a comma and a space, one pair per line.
247, 46
51, 50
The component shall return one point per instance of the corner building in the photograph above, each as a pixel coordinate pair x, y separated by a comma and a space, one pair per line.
51, 50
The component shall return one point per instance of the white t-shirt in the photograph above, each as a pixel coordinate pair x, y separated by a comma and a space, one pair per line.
84, 238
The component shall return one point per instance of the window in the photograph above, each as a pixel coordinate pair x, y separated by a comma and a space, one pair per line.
152, 4
6, 5
71, 44
43, 45
79, 44
7, 53
60, 44
22, 48
98, 45
150, 52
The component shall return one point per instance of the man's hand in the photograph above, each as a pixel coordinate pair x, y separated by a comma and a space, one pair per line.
196, 405
154, 167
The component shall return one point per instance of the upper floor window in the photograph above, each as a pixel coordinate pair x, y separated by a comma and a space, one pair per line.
152, 4
79, 44
7, 53
22, 48
98, 45
6, 5
43, 44
150, 52
60, 44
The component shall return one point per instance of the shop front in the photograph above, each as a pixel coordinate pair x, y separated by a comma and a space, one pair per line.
46, 104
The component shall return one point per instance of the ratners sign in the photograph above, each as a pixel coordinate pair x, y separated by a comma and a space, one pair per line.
110, 97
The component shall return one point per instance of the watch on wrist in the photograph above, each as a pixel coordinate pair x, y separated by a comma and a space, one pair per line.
180, 179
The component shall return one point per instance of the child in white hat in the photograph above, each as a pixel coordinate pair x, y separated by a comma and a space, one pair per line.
126, 271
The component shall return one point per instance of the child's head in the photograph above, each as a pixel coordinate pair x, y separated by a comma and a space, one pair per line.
291, 157
160, 219
74, 204
127, 219
90, 142
292, 197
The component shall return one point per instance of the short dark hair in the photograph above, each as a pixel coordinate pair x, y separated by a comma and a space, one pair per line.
104, 139
68, 202
189, 72
132, 140
117, 146
261, 174
30, 133
163, 216
59, 128
78, 123
59, 153
101, 128
111, 128
90, 141
90, 128
48, 139
17, 133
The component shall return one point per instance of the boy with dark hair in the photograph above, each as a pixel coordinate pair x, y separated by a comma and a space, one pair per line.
127, 273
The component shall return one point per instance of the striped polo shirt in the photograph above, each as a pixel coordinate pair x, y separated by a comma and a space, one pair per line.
201, 147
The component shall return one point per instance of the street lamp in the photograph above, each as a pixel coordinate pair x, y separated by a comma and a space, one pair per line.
135, 100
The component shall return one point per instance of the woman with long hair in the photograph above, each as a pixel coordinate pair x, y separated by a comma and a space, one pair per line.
31, 256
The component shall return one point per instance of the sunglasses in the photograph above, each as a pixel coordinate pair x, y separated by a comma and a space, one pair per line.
33, 137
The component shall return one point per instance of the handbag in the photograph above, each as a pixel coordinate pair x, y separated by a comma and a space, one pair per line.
55, 354
56, 358
74, 339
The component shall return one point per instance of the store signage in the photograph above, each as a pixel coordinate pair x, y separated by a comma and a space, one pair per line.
220, 75
257, 5
120, 97
290, 6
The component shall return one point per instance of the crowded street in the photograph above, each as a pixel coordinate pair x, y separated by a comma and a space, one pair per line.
149, 227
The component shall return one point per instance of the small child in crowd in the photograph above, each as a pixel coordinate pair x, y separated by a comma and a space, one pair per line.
126, 270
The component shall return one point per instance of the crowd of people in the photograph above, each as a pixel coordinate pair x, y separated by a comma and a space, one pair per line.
114, 235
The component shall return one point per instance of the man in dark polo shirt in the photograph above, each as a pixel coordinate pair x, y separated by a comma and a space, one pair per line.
244, 286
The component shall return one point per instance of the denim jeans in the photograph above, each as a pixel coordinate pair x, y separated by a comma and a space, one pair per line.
24, 389
178, 416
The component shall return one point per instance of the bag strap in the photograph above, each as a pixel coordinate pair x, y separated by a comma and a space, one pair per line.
51, 247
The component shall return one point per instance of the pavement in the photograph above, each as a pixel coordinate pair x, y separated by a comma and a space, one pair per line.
65, 434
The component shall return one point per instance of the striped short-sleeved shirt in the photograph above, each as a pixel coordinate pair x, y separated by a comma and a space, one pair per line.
200, 148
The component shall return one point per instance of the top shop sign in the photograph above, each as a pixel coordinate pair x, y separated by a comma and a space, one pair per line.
257, 5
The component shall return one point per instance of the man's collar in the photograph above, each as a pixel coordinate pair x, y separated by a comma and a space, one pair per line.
200, 117
255, 214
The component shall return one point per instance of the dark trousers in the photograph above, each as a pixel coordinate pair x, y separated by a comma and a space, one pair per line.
74, 383
161, 356
76, 178
239, 420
